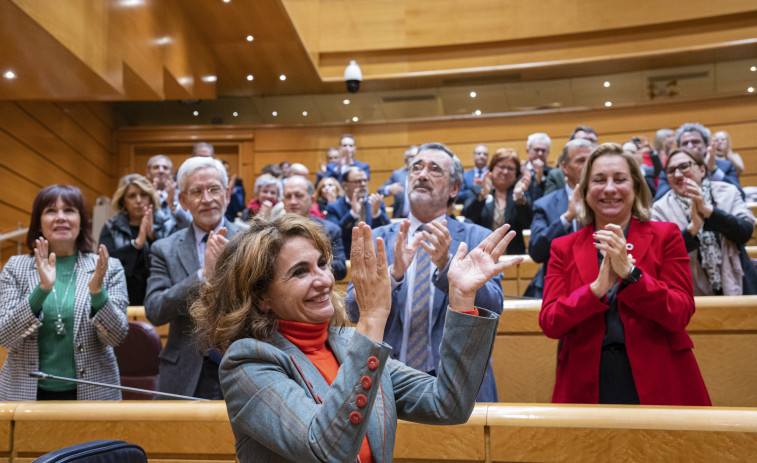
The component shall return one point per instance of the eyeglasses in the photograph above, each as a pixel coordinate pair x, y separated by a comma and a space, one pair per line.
434, 169
214, 191
505, 168
361, 181
682, 168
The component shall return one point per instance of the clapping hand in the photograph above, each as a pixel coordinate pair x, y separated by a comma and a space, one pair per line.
101, 268
45, 264
468, 273
216, 243
370, 277
404, 251
617, 263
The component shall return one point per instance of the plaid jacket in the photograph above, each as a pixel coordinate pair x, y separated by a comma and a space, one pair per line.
93, 336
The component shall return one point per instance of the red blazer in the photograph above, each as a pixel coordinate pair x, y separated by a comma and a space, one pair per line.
655, 311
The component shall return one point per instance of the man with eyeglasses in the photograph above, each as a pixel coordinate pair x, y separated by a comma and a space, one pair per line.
178, 265
537, 148
695, 138
418, 251
356, 206
555, 177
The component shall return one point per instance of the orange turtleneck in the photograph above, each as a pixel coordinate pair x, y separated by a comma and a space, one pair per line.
311, 340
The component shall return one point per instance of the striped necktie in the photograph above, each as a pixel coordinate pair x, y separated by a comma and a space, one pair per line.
417, 353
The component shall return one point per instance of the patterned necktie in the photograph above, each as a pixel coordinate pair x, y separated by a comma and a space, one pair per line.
417, 353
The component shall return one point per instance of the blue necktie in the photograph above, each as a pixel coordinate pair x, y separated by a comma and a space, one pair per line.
417, 353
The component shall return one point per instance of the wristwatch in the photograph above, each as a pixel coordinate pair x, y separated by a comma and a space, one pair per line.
634, 275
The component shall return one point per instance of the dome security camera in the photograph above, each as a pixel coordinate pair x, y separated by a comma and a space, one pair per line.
353, 76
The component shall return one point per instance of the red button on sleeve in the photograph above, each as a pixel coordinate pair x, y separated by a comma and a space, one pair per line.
361, 400
373, 362
366, 382
356, 418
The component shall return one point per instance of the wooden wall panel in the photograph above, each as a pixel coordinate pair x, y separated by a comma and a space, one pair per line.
46, 143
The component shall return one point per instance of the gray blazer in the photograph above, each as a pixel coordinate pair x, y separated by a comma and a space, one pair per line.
275, 418
93, 336
171, 288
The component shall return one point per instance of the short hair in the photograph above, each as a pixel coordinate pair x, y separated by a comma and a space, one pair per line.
575, 143
582, 128
202, 144
643, 197
456, 166
196, 163
264, 181
696, 157
693, 127
346, 135
411, 151
142, 183
346, 174
538, 136
659, 138
160, 156
308, 183
505, 154
296, 166
71, 196
230, 303
322, 184
272, 169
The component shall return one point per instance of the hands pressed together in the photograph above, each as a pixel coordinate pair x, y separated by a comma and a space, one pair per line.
700, 209
617, 262
215, 244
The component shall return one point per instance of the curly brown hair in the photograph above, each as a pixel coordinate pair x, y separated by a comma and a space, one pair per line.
229, 306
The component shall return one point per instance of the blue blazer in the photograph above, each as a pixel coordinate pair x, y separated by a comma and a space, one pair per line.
275, 417
545, 227
465, 189
338, 263
331, 171
398, 176
488, 297
723, 164
338, 212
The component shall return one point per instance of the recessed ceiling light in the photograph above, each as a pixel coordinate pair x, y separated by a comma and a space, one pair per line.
473, 94
250, 38
9, 75
608, 103
226, 1
355, 119
304, 113
282, 77
477, 112
607, 84
163, 41
196, 113
275, 113
753, 68
209, 78
750, 90
346, 101
235, 114
250, 77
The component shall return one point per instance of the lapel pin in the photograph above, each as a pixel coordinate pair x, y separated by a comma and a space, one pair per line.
629, 246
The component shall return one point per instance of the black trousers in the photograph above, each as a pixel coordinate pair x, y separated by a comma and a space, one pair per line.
208, 386
616, 385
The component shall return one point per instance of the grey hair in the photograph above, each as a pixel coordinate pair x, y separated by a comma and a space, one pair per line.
265, 180
575, 143
411, 151
693, 127
203, 144
196, 163
456, 169
308, 183
538, 136
160, 156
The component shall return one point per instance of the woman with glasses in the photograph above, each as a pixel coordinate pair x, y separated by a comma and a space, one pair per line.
502, 198
715, 223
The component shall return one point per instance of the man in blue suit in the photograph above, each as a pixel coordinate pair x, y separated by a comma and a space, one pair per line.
696, 138
346, 160
420, 248
356, 205
555, 214
474, 176
397, 186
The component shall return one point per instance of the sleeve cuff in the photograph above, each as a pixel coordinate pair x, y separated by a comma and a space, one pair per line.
36, 299
473, 312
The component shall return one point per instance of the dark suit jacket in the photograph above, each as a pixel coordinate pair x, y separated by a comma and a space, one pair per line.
338, 212
655, 311
338, 263
488, 297
331, 171
545, 227
536, 189
482, 213
398, 176
723, 164
171, 289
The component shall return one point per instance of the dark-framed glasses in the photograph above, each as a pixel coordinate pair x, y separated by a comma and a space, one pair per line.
683, 168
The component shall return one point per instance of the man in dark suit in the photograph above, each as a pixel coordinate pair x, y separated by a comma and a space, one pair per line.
397, 186
419, 251
355, 206
179, 264
346, 160
299, 196
555, 177
537, 148
474, 176
696, 138
555, 214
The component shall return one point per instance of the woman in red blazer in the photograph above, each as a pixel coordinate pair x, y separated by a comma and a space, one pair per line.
619, 294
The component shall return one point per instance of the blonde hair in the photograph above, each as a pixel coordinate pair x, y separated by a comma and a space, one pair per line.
140, 181
322, 183
230, 303
642, 196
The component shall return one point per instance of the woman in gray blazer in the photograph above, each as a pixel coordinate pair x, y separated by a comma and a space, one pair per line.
61, 308
301, 386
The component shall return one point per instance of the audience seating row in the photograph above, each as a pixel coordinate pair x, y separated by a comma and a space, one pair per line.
200, 432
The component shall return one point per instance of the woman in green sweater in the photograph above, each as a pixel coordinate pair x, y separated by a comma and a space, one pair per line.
61, 307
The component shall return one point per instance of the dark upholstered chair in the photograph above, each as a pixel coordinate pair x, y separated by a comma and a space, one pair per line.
97, 451
138, 359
